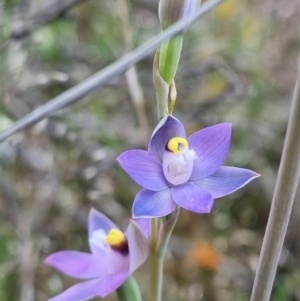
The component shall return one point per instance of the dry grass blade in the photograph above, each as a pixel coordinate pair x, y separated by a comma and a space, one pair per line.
283, 200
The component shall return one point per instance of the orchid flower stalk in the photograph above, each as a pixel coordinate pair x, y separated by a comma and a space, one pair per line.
177, 171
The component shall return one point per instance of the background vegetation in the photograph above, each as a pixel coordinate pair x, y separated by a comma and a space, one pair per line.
238, 65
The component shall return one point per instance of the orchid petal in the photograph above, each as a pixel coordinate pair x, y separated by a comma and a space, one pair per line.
144, 169
138, 246
98, 243
110, 284
145, 225
226, 180
149, 204
211, 146
192, 198
92, 288
168, 128
98, 221
118, 262
79, 292
189, 8
77, 264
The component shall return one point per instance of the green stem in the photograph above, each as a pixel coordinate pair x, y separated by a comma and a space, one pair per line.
156, 263
129, 291
156, 276
160, 236
283, 199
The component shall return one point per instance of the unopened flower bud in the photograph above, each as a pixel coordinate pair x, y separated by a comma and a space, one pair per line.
171, 11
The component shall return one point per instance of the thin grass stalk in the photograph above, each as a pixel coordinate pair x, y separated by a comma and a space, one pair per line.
282, 203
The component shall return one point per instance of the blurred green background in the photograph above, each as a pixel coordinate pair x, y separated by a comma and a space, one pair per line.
238, 65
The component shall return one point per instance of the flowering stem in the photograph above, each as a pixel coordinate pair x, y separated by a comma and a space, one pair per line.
156, 276
129, 291
156, 263
154, 233
159, 239
283, 199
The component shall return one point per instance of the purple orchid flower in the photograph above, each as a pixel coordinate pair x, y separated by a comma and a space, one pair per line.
114, 256
184, 172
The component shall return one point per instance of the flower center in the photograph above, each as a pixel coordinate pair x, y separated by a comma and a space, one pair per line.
115, 238
117, 241
177, 145
178, 161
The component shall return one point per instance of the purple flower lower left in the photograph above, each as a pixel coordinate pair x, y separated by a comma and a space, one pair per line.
114, 256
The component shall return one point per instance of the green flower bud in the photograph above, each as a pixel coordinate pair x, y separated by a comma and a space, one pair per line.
169, 55
171, 11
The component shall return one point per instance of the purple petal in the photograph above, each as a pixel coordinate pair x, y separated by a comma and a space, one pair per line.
138, 246
79, 292
110, 284
226, 180
118, 262
169, 127
90, 289
192, 198
98, 220
144, 169
145, 225
211, 146
77, 264
189, 8
148, 204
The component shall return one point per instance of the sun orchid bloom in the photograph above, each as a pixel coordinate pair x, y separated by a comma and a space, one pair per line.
114, 256
182, 171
